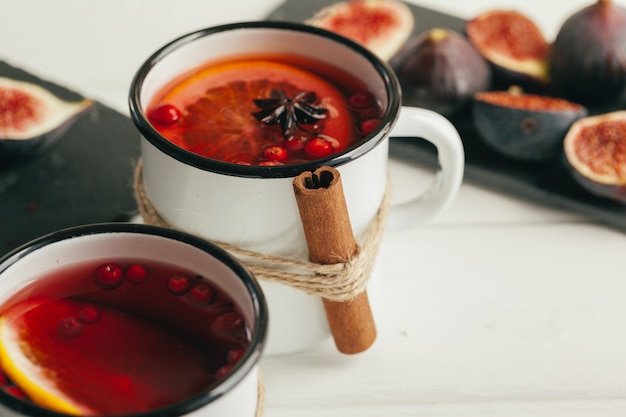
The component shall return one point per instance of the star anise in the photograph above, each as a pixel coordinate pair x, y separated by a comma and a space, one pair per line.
291, 113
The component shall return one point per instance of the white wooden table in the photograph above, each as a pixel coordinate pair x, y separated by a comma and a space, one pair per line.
499, 307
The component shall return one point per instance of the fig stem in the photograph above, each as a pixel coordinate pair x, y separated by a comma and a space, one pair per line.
515, 90
437, 34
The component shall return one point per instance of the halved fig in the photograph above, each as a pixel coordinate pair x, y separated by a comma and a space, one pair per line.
32, 118
526, 127
595, 152
588, 57
382, 26
513, 44
440, 70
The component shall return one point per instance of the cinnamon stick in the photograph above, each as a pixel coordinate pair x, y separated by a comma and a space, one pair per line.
330, 239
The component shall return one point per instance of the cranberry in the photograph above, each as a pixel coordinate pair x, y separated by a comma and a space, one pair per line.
368, 126
228, 322
294, 144
275, 153
164, 115
361, 100
234, 355
200, 294
179, 284
369, 113
223, 371
16, 392
319, 148
136, 273
70, 327
109, 275
89, 314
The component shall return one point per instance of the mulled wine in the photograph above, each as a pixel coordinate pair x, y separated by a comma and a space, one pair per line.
118, 336
269, 109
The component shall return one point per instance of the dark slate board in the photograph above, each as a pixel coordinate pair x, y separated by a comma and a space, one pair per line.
86, 177
548, 184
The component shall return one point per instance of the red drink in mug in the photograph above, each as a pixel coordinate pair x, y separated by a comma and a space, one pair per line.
123, 320
269, 109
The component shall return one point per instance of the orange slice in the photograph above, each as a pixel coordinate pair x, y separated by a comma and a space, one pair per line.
87, 359
217, 105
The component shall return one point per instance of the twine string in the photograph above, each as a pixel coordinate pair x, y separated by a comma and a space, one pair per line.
340, 281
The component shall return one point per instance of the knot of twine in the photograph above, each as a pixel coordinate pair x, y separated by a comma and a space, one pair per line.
340, 282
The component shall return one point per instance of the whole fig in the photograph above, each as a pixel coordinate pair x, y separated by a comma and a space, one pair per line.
441, 71
588, 57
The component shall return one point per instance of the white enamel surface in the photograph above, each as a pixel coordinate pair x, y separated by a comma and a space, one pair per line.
418, 123
261, 214
241, 400
499, 307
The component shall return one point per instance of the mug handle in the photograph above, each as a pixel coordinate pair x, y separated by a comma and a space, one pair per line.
423, 124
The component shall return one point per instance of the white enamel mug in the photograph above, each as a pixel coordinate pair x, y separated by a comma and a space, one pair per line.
253, 207
235, 395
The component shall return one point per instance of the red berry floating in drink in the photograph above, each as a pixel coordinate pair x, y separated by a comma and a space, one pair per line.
361, 100
275, 153
200, 295
109, 275
368, 126
89, 314
164, 115
136, 273
179, 284
319, 148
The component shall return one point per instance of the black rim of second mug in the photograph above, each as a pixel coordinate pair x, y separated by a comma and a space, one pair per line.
138, 116
207, 396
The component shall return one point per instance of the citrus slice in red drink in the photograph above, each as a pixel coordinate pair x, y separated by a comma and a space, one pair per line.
88, 359
218, 102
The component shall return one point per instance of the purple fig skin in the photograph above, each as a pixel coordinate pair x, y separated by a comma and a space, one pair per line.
613, 192
441, 71
14, 152
588, 57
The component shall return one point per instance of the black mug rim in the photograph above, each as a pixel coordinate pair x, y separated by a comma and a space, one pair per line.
392, 87
211, 393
